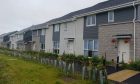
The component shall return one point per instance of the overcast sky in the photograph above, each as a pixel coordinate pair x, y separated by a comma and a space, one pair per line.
19, 14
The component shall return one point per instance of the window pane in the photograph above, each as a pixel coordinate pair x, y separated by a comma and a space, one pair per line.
43, 31
111, 16
91, 20
39, 32
56, 45
90, 44
56, 28
85, 44
42, 46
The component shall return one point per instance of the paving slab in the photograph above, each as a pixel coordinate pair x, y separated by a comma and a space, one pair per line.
122, 75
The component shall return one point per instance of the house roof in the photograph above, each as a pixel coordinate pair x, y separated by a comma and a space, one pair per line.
7, 34
102, 5
40, 26
23, 30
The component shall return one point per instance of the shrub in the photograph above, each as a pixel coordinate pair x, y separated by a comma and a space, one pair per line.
134, 65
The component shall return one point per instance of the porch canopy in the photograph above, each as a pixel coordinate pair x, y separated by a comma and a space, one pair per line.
69, 39
123, 36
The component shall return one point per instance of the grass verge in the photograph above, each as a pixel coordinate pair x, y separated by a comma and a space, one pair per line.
18, 71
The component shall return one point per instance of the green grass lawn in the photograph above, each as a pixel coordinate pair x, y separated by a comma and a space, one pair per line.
18, 71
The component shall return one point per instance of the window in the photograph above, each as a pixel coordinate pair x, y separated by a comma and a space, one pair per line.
44, 32
42, 46
91, 20
85, 44
39, 32
56, 47
56, 28
90, 47
35, 33
111, 16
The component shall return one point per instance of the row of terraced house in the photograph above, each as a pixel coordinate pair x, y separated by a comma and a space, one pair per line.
111, 27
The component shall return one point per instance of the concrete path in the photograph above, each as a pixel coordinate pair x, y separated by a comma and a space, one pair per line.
122, 75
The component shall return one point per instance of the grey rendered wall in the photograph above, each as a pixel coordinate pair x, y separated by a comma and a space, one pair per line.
36, 45
48, 39
126, 14
120, 15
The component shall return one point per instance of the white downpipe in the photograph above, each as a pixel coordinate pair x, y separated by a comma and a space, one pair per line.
134, 30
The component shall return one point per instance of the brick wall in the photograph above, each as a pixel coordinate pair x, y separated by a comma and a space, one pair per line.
106, 33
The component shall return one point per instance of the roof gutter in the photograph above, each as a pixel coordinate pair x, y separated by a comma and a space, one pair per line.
106, 9
95, 12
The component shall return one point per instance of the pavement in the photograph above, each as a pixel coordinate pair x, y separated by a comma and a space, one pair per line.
133, 80
125, 77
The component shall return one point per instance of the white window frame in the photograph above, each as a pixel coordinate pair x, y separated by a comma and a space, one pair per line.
97, 45
42, 46
38, 32
91, 20
93, 49
43, 31
57, 45
86, 45
56, 28
110, 12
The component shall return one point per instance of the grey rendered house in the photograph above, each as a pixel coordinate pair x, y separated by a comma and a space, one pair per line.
27, 38
20, 39
39, 36
110, 27
5, 39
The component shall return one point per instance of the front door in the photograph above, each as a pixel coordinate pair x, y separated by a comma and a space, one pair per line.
123, 51
71, 46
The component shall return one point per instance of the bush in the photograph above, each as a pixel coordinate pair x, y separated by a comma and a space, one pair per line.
134, 65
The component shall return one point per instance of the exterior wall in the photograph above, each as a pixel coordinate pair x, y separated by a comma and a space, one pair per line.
90, 32
14, 41
1, 40
74, 31
138, 41
120, 15
66, 33
106, 33
38, 40
125, 14
28, 46
27, 39
21, 46
79, 42
36, 43
48, 39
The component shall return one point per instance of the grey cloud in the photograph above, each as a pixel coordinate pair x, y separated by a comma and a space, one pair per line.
19, 14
